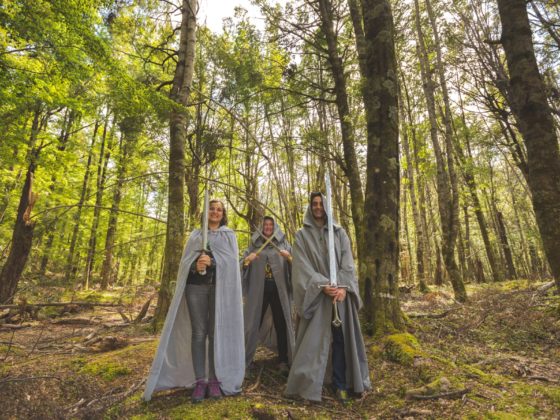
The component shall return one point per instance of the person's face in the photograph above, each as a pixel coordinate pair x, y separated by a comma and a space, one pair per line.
268, 227
317, 208
215, 212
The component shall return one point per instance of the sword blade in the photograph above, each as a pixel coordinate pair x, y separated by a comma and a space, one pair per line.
268, 241
265, 238
205, 221
330, 229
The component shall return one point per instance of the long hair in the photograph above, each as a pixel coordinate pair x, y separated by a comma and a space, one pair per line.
224, 220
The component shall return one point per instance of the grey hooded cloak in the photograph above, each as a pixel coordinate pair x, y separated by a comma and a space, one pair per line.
253, 289
310, 269
172, 366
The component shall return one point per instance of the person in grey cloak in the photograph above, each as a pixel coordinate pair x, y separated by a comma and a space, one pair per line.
205, 316
267, 284
313, 300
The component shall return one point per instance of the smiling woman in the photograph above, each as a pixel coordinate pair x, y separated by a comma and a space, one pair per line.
205, 313
217, 214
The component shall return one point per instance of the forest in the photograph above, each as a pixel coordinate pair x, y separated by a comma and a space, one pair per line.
438, 122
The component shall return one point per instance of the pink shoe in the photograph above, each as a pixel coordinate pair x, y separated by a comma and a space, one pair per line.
199, 391
214, 390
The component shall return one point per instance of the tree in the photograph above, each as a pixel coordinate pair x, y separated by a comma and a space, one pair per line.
381, 210
534, 120
178, 121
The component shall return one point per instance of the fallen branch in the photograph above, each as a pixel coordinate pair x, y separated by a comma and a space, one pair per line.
61, 304
74, 321
123, 316
9, 346
14, 326
37, 341
257, 382
543, 378
545, 287
448, 395
407, 412
29, 378
406, 289
103, 402
144, 310
432, 316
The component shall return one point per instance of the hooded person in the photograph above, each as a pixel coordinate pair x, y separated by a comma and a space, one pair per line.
317, 338
267, 294
202, 337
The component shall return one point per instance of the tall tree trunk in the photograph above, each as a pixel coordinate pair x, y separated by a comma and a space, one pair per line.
505, 245
350, 167
52, 222
446, 179
104, 155
381, 215
22, 235
535, 122
180, 91
469, 177
452, 231
21, 242
70, 267
419, 228
131, 127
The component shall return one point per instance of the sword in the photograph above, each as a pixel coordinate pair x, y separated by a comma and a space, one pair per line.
264, 237
204, 248
268, 241
337, 322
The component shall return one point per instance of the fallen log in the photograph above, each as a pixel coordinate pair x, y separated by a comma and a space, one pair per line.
61, 304
14, 326
75, 321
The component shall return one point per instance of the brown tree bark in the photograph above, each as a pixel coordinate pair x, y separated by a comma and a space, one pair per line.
102, 162
350, 167
535, 122
504, 242
22, 235
381, 211
180, 92
131, 127
70, 267
21, 242
418, 225
446, 180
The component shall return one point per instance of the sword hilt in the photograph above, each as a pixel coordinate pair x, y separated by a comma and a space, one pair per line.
203, 272
336, 322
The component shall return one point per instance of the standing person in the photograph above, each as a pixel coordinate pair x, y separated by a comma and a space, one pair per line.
202, 337
267, 283
313, 299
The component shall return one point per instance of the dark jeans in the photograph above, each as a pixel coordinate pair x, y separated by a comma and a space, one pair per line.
272, 298
338, 358
201, 303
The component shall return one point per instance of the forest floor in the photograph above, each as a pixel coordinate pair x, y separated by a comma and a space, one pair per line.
497, 356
